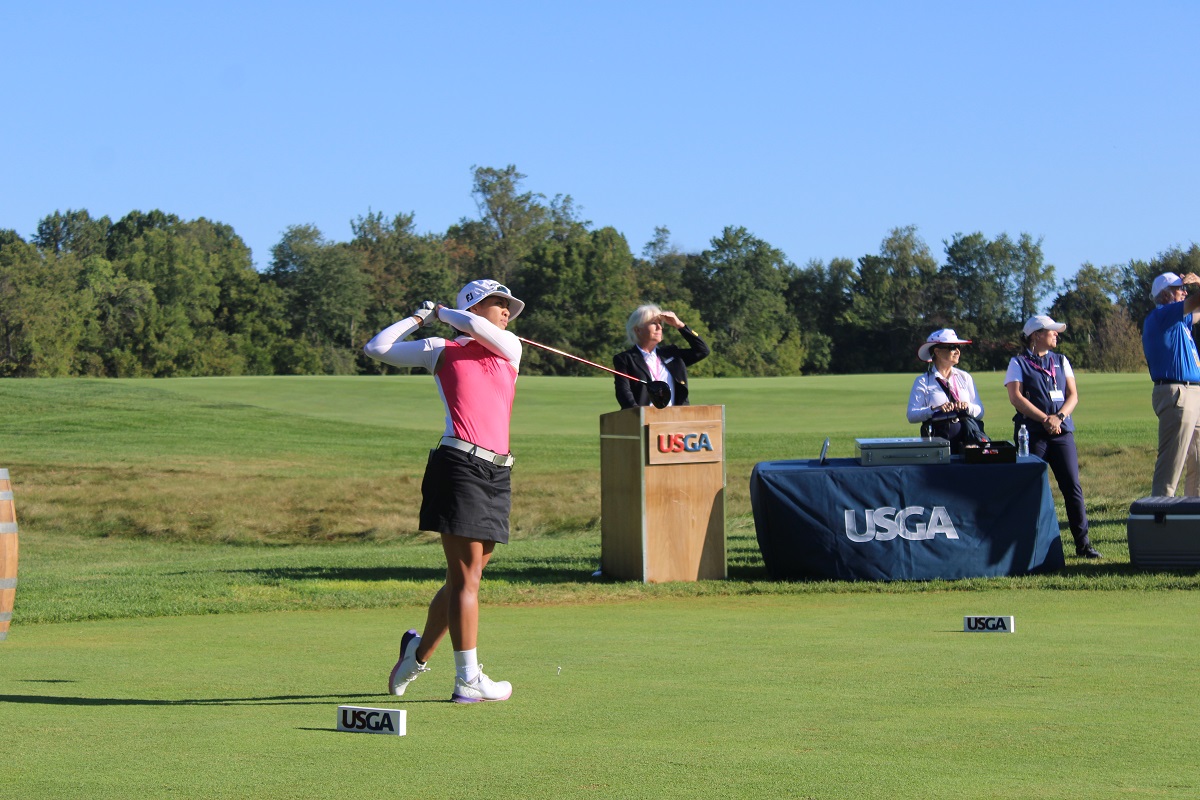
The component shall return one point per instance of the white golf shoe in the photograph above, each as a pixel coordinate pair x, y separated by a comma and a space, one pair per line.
407, 668
481, 689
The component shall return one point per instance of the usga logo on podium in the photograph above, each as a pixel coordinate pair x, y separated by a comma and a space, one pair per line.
357, 719
683, 442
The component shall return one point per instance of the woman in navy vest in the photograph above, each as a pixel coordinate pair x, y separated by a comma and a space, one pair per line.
1041, 387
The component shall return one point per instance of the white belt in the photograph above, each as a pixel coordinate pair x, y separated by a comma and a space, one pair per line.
481, 453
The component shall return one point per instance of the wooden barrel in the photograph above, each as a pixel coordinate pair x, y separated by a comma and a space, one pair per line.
8, 554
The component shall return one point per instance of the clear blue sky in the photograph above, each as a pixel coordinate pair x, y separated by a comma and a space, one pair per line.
817, 126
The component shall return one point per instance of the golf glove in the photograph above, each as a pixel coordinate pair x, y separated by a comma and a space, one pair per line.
424, 310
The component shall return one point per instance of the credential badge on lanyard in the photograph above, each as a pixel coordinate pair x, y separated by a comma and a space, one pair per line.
1056, 394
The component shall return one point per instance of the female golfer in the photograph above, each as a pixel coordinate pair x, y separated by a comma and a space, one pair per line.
466, 495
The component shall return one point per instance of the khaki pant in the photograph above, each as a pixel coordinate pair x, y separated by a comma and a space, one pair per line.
1178, 410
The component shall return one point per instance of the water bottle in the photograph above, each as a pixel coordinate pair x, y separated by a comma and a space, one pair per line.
1022, 441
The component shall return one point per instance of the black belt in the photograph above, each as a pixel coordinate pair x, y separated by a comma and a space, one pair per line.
1176, 383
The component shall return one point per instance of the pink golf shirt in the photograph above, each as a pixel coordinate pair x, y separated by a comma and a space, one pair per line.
476, 377
477, 388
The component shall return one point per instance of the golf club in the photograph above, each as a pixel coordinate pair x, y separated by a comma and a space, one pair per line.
660, 392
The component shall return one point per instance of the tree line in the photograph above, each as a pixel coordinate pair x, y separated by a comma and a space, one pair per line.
152, 295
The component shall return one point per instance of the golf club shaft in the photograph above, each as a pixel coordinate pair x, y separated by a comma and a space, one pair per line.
580, 360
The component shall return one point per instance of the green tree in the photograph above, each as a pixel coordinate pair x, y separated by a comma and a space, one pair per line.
660, 273
577, 292
42, 316
820, 298
176, 298
1086, 302
325, 293
981, 275
72, 232
186, 296
248, 321
1033, 278
118, 336
1118, 344
126, 231
511, 223
740, 288
898, 303
401, 268
1138, 276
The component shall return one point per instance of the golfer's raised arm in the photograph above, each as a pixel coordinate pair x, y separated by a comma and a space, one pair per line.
499, 341
1192, 303
389, 346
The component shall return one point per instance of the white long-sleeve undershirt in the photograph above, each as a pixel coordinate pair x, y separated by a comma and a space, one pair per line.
390, 347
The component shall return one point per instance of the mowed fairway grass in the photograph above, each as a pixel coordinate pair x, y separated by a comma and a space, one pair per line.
209, 567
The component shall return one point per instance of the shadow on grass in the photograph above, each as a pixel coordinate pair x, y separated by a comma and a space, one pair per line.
545, 570
1095, 519
274, 700
1120, 569
748, 573
744, 565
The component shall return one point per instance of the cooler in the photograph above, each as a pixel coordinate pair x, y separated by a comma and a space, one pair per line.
1164, 532
886, 452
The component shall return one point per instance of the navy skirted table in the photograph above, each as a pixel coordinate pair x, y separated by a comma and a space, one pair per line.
844, 521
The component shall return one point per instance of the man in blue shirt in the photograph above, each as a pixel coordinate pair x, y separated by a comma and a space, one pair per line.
1175, 367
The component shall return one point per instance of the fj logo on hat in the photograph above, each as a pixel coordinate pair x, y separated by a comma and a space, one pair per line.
479, 290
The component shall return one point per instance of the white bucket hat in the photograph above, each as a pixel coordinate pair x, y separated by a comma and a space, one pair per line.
476, 291
940, 336
1042, 323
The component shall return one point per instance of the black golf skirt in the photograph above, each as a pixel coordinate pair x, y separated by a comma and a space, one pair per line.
465, 496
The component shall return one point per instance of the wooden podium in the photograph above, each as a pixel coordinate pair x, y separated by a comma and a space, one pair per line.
662, 493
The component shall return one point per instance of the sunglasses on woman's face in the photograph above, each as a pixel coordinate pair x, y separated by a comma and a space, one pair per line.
948, 347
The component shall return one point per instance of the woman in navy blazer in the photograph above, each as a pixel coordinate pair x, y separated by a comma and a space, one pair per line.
651, 360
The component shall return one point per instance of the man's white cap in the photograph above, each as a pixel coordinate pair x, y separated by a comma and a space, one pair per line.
1162, 282
476, 291
1042, 323
940, 336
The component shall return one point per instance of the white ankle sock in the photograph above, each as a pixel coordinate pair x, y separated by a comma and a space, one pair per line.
466, 664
